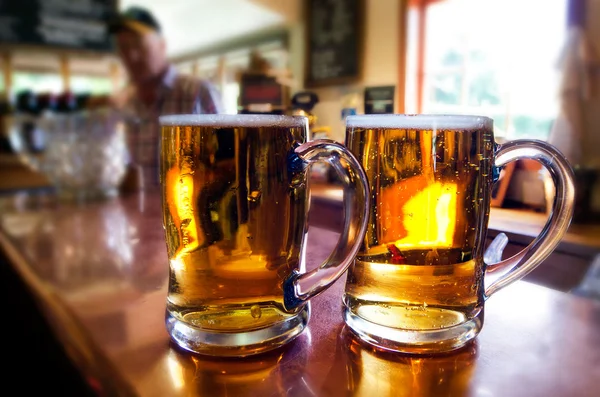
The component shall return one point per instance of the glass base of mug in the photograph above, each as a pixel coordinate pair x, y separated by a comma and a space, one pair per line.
414, 342
237, 344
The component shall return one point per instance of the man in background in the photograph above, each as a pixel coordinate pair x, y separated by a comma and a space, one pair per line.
155, 88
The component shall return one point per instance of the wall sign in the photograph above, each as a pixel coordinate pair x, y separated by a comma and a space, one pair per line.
335, 32
69, 24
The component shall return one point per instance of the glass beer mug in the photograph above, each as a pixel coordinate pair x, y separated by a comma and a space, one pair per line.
235, 199
419, 281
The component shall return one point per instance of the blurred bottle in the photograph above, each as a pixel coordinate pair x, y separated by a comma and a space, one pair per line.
46, 102
27, 117
82, 101
6, 121
66, 102
26, 102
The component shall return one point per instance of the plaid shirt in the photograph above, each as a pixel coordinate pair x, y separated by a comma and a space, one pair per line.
179, 94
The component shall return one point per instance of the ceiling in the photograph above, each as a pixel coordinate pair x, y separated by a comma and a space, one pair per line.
191, 25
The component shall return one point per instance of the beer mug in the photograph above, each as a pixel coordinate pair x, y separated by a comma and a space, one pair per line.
419, 282
235, 198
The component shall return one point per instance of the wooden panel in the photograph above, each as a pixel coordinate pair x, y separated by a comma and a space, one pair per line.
16, 176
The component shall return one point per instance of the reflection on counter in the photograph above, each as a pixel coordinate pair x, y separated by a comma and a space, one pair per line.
92, 256
59, 242
164, 369
262, 375
366, 371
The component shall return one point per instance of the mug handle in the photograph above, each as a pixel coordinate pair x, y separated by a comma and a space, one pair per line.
499, 275
300, 287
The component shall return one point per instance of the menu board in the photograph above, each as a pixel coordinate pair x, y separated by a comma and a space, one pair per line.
71, 24
379, 100
334, 38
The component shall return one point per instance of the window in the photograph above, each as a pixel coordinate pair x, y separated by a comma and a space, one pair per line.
496, 58
94, 85
53, 83
37, 82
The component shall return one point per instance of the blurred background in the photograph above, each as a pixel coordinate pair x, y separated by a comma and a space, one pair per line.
532, 66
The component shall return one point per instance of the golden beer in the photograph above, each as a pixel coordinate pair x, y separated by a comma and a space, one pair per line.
420, 267
421, 263
417, 284
373, 372
235, 204
234, 222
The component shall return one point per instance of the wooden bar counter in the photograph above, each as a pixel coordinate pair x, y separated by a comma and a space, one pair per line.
99, 273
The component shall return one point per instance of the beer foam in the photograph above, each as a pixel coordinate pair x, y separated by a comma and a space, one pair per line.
419, 121
233, 120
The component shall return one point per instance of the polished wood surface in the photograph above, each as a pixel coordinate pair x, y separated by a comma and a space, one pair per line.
100, 272
14, 175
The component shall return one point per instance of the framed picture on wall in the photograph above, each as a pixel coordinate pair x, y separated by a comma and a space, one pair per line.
379, 100
335, 38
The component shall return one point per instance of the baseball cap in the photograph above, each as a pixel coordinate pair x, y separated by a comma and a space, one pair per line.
135, 18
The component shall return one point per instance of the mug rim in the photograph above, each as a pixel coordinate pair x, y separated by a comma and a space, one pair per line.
233, 120
419, 121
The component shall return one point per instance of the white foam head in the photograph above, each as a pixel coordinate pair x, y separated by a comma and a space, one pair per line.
233, 120
419, 121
